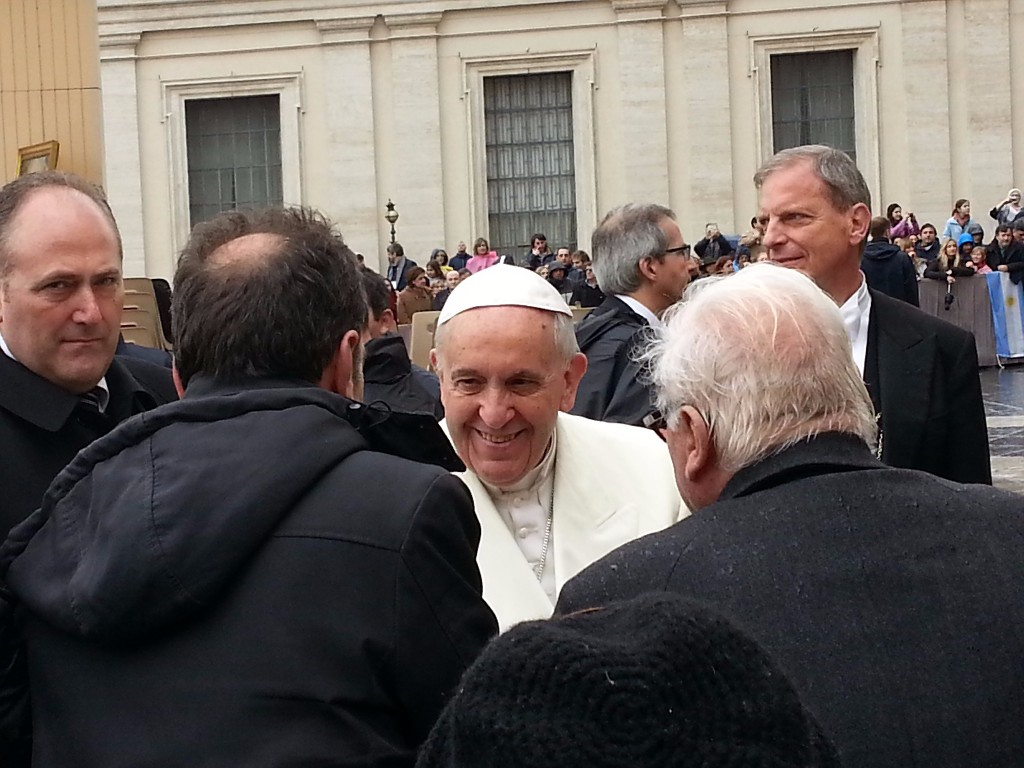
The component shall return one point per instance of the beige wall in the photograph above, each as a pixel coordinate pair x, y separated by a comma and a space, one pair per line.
49, 83
671, 103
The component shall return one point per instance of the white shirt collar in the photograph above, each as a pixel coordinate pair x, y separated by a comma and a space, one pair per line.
101, 385
652, 319
856, 313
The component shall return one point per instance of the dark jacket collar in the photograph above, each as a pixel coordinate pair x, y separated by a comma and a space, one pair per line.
612, 312
41, 402
386, 359
824, 454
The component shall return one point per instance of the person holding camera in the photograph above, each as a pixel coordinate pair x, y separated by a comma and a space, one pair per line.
712, 246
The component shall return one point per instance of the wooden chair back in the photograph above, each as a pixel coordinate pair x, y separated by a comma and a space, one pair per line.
424, 324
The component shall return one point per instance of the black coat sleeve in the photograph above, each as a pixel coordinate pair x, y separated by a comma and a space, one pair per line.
15, 715
724, 246
968, 460
442, 621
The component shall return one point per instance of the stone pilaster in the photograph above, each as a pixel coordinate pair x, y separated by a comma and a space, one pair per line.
642, 84
417, 171
350, 160
708, 114
122, 171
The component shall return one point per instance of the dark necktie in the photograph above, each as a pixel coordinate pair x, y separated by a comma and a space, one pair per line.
89, 413
90, 401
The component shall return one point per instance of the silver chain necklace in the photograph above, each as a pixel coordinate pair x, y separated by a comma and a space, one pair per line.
538, 568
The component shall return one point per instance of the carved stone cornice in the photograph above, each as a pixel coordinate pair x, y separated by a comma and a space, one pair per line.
119, 46
414, 23
353, 29
638, 5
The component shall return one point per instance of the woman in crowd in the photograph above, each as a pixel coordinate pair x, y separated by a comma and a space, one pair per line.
1009, 209
483, 257
957, 223
434, 270
900, 225
440, 255
415, 297
954, 260
979, 257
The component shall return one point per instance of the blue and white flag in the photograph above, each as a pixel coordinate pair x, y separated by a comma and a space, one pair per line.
1007, 302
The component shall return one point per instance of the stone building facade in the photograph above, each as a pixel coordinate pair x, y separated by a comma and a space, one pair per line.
488, 117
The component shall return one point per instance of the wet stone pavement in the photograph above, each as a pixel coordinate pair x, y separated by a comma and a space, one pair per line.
1003, 392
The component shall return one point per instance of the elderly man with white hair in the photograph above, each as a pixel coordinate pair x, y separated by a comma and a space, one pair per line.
889, 597
553, 492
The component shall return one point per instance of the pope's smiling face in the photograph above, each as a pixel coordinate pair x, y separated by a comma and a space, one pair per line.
503, 382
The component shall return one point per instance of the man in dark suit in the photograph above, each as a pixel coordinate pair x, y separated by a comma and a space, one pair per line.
250, 576
398, 266
889, 597
60, 313
922, 372
642, 265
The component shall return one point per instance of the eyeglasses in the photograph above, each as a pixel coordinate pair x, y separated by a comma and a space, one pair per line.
684, 249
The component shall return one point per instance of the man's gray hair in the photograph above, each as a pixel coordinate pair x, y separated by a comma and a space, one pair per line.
834, 167
764, 356
565, 338
626, 235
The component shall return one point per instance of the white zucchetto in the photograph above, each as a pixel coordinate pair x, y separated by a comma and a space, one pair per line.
503, 285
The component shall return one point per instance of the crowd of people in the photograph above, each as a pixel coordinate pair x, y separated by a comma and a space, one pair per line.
743, 522
900, 251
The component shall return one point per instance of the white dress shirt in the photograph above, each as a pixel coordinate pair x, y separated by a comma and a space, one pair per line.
856, 314
652, 319
525, 508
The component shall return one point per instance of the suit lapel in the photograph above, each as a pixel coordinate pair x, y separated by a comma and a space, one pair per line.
904, 360
588, 523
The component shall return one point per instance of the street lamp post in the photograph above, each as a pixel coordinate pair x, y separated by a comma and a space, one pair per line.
391, 216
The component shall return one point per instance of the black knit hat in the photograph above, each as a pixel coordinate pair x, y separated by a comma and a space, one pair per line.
655, 682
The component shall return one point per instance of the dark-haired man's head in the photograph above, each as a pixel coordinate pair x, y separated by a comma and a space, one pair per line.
879, 228
275, 294
380, 319
395, 252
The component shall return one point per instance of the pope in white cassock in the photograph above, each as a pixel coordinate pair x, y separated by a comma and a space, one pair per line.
553, 492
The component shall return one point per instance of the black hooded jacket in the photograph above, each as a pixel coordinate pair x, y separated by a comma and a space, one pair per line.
613, 388
390, 377
890, 271
241, 579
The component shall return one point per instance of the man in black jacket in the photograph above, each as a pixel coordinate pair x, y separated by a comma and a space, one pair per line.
1006, 255
61, 294
247, 577
889, 597
389, 376
927, 247
642, 265
921, 372
398, 266
886, 268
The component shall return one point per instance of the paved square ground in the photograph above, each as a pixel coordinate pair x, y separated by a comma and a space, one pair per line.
1003, 392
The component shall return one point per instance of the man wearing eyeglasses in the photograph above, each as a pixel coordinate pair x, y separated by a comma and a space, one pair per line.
642, 265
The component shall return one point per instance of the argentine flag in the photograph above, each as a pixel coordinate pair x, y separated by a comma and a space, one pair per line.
1007, 314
